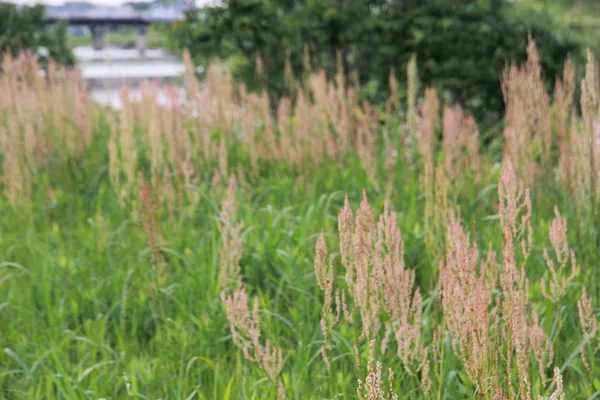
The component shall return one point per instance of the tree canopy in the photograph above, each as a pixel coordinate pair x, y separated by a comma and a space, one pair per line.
23, 28
461, 45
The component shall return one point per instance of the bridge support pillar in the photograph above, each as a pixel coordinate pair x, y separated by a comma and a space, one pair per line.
97, 36
141, 39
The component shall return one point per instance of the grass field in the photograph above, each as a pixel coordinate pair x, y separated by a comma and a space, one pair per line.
206, 250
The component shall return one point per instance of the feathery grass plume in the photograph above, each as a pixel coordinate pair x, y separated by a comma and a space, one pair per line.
190, 80
220, 86
511, 195
319, 128
176, 136
389, 163
335, 106
47, 121
555, 288
558, 393
373, 387
155, 134
271, 145
352, 96
587, 151
562, 109
435, 187
284, 128
377, 280
114, 162
366, 141
246, 334
587, 318
334, 138
589, 93
434, 180
427, 124
394, 99
180, 155
541, 344
577, 167
392, 122
159, 264
345, 118
582, 157
314, 131
514, 209
215, 109
321, 112
127, 151
412, 91
248, 125
357, 238
203, 114
461, 144
528, 134
524, 338
230, 252
325, 278
198, 108
514, 203
82, 114
589, 327
281, 392
164, 149
15, 178
466, 303
491, 266
340, 77
399, 298
301, 131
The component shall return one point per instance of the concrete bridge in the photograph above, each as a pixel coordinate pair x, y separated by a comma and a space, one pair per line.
100, 20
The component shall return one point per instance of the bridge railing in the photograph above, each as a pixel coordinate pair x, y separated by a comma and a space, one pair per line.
99, 19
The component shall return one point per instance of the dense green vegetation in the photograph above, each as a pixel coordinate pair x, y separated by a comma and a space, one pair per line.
24, 29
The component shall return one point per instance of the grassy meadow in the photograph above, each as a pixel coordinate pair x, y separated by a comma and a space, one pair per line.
224, 248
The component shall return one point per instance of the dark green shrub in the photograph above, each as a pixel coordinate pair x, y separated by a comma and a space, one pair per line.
24, 29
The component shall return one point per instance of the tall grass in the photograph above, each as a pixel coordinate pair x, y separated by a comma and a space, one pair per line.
219, 247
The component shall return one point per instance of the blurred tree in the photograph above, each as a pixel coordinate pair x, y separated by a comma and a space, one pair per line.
461, 45
24, 29
580, 17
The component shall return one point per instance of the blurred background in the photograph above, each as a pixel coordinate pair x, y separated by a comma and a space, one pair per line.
461, 45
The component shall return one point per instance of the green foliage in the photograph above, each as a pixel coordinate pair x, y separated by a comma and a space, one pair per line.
461, 46
24, 29
580, 17
78, 319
